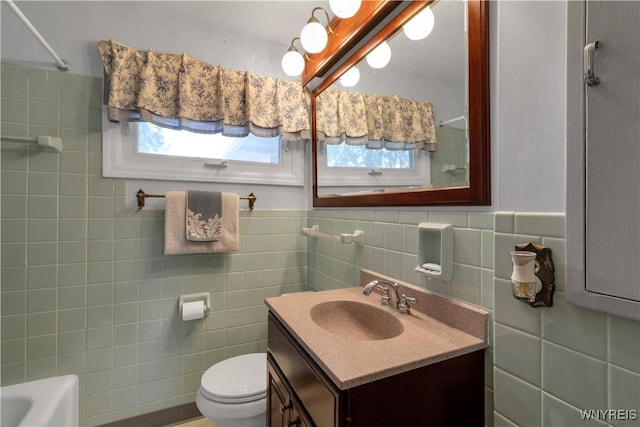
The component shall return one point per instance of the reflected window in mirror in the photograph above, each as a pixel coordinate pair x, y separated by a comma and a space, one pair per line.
347, 168
357, 156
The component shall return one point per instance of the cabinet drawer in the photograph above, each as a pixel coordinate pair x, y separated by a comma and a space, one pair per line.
317, 395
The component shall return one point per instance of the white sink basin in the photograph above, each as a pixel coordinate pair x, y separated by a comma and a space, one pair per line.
48, 402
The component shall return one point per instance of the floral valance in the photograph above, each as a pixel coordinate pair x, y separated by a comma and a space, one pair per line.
376, 121
181, 92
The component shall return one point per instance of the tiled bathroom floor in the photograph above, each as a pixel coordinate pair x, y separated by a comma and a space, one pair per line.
198, 422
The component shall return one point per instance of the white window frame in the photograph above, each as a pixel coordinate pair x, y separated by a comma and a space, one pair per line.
121, 159
373, 177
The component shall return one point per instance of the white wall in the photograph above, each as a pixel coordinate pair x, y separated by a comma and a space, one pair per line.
528, 105
527, 76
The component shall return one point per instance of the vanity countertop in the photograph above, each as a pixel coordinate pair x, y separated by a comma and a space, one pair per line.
352, 362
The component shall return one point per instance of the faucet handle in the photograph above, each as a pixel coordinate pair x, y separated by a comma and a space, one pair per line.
385, 299
404, 306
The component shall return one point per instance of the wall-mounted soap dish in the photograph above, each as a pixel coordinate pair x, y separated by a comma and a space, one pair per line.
435, 250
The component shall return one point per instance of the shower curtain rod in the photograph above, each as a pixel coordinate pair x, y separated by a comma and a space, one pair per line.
62, 64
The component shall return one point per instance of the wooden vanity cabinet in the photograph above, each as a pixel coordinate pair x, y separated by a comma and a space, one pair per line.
447, 393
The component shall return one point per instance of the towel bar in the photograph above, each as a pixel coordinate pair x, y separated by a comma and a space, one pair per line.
356, 237
46, 143
141, 195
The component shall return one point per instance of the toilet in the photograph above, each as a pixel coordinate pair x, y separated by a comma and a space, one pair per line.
233, 392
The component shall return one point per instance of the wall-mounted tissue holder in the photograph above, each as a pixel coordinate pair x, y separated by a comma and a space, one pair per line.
435, 250
534, 260
194, 306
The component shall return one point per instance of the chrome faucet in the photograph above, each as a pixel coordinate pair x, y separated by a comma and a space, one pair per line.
386, 298
401, 302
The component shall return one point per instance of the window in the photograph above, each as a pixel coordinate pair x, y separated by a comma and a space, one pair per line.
356, 166
146, 151
159, 141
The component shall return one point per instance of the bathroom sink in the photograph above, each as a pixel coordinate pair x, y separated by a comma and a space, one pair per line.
356, 320
48, 402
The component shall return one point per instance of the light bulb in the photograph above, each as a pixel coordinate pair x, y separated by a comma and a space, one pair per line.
350, 78
293, 63
421, 25
380, 56
313, 37
344, 8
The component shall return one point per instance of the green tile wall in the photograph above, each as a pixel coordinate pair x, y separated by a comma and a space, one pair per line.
86, 288
452, 151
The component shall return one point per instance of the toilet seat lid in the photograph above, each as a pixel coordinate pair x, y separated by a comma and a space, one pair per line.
238, 379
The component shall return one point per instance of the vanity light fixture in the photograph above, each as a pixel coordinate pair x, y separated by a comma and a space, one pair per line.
344, 8
314, 36
292, 61
350, 78
380, 56
421, 25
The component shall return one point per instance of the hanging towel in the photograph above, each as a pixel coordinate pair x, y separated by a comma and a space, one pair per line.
175, 228
204, 216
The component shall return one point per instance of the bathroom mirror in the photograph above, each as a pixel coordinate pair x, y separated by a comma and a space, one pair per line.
449, 69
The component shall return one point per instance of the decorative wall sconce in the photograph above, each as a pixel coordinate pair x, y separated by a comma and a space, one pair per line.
293, 61
350, 78
314, 36
533, 279
344, 8
421, 25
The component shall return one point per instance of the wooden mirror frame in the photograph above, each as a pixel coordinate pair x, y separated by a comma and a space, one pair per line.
355, 30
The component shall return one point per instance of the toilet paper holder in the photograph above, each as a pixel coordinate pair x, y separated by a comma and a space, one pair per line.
205, 297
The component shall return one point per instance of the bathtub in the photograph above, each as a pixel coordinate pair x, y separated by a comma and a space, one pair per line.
47, 402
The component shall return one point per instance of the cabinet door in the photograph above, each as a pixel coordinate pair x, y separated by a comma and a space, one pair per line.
278, 399
603, 154
284, 410
297, 419
310, 386
613, 151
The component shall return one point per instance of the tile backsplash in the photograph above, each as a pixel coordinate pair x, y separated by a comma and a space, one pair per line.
86, 288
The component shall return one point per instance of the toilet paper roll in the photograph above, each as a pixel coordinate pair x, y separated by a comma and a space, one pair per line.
192, 310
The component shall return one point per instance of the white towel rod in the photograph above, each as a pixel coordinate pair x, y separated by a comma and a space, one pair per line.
62, 64
46, 143
357, 237
446, 122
